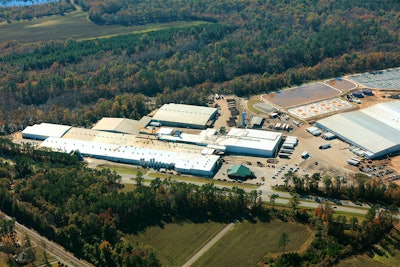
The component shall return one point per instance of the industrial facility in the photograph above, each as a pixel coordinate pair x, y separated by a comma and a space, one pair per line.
236, 141
122, 125
124, 148
250, 142
44, 130
188, 163
375, 130
185, 116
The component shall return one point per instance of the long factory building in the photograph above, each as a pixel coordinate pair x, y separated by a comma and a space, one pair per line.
187, 163
119, 147
194, 156
375, 130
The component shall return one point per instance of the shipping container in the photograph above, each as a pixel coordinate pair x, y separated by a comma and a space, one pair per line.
284, 155
325, 146
353, 162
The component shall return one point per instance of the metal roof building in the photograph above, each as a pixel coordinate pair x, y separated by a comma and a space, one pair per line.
240, 172
180, 115
122, 125
257, 121
251, 142
100, 136
375, 129
190, 163
44, 130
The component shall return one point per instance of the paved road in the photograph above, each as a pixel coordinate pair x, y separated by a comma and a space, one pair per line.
209, 245
266, 192
51, 247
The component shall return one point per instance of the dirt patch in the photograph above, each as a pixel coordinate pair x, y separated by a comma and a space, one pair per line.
300, 95
223, 111
341, 84
44, 24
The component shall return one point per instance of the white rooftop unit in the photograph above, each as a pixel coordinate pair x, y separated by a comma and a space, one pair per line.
165, 131
44, 130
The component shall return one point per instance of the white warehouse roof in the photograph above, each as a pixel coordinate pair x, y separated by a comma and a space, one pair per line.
375, 129
121, 125
250, 141
179, 114
91, 135
183, 162
44, 130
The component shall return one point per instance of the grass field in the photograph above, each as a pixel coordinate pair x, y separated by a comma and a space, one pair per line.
176, 243
3, 259
202, 180
39, 261
386, 253
74, 25
249, 242
361, 261
123, 169
251, 103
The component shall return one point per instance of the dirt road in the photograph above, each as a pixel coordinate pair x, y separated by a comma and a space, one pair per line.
209, 245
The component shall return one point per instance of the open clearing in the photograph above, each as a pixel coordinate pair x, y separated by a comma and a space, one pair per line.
360, 261
176, 243
74, 25
248, 243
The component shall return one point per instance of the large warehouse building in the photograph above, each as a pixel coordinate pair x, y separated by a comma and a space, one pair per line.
189, 163
375, 130
178, 115
250, 142
237, 141
122, 125
44, 130
119, 147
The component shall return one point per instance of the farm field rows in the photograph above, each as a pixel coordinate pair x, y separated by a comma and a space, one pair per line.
245, 245
249, 242
176, 243
74, 25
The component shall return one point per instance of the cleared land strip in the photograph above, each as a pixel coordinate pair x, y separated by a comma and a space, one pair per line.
209, 245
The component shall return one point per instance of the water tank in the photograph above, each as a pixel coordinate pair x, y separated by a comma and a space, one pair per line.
244, 118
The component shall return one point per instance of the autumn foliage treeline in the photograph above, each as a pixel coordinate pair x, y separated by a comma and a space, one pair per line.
338, 237
9, 14
252, 47
84, 210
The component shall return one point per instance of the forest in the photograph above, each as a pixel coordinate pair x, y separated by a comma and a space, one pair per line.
88, 212
246, 48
